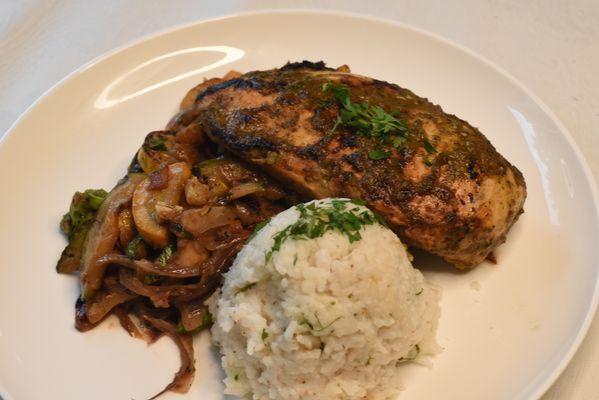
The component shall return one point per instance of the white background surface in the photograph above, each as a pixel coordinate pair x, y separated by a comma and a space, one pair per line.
551, 46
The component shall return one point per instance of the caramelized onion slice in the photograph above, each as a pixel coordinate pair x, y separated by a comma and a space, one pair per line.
193, 314
104, 301
199, 220
161, 295
184, 376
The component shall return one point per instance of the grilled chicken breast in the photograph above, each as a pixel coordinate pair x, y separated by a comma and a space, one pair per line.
437, 181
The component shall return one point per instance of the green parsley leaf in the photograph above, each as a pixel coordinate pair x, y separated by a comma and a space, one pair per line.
151, 279
206, 322
304, 321
157, 143
264, 334
207, 319
178, 230
257, 228
131, 248
314, 221
365, 119
165, 255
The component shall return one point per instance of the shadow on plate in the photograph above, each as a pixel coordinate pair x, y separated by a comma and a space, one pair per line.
428, 262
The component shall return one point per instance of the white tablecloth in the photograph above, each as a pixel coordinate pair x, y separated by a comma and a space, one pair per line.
552, 46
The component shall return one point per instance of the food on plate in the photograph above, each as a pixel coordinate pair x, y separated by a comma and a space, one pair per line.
436, 179
153, 249
246, 147
322, 303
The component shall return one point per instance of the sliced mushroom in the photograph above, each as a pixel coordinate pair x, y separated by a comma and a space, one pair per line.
145, 199
167, 212
199, 220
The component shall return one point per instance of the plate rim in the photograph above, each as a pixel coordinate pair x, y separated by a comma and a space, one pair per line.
589, 177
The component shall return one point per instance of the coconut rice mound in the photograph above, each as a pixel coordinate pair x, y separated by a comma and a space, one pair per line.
322, 318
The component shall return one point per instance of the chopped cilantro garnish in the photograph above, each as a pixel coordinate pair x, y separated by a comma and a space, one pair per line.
315, 220
304, 321
321, 327
264, 334
131, 248
206, 322
246, 287
257, 228
151, 279
178, 230
166, 255
157, 143
367, 120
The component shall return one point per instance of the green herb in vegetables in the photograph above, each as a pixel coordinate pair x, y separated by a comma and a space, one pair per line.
157, 143
206, 322
151, 279
236, 377
418, 293
178, 230
264, 334
131, 248
367, 120
166, 255
314, 220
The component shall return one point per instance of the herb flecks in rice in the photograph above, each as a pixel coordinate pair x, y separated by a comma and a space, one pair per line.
345, 216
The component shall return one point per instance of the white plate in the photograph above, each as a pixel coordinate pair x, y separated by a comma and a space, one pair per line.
507, 339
